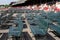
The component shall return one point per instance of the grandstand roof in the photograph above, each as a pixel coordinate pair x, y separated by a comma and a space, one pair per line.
33, 2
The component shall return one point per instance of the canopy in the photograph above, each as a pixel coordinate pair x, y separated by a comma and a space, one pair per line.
33, 2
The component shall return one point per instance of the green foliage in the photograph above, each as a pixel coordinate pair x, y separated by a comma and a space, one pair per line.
5, 6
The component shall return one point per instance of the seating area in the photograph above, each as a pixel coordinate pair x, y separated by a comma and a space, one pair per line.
29, 19
17, 29
6, 16
39, 24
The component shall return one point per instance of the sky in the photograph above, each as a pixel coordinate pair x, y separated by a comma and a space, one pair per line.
6, 1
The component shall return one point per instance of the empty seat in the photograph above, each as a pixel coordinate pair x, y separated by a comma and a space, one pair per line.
16, 30
36, 30
55, 28
53, 16
40, 26
29, 16
43, 14
6, 17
